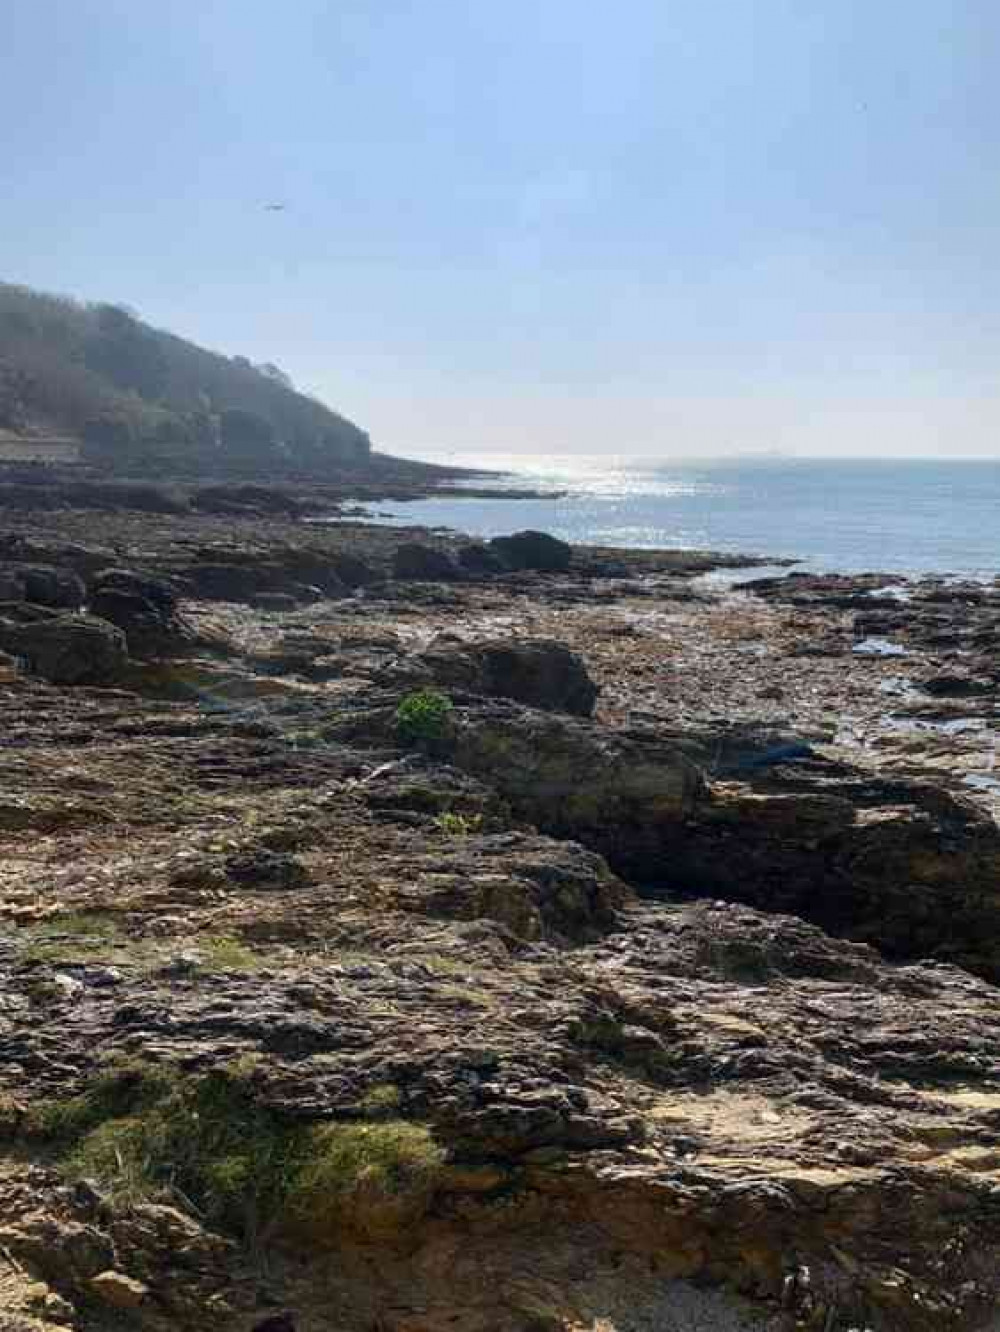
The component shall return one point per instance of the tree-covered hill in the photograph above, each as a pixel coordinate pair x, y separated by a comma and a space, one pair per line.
142, 400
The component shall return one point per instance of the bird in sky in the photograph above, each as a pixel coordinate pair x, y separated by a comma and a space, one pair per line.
274, 208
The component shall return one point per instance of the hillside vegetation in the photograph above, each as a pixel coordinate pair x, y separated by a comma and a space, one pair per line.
143, 400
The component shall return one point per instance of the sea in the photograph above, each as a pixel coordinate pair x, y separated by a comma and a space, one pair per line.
895, 516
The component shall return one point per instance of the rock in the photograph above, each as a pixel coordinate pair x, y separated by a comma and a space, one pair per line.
275, 870
298, 574
42, 584
533, 550
68, 649
232, 582
247, 498
19, 548
157, 591
24, 612
900, 865
479, 559
117, 1290
535, 887
12, 586
540, 672
145, 610
958, 686
274, 601
415, 785
61, 589
351, 571
422, 564
613, 790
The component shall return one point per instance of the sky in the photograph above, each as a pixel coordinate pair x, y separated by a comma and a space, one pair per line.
657, 229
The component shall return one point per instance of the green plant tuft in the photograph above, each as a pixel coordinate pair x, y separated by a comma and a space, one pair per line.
383, 1099
458, 825
206, 1141
221, 952
423, 716
124, 1088
369, 1179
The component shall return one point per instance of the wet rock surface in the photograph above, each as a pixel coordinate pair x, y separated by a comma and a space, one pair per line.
692, 995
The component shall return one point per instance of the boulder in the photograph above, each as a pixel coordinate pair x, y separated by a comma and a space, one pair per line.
18, 548
616, 791
274, 871
422, 563
144, 609
68, 649
50, 586
297, 575
232, 582
958, 686
541, 672
535, 887
351, 571
42, 584
118, 1290
479, 559
533, 550
12, 586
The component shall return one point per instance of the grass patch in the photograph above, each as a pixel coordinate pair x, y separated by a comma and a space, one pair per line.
80, 922
144, 1132
453, 824
85, 936
124, 1088
384, 1098
369, 1179
222, 952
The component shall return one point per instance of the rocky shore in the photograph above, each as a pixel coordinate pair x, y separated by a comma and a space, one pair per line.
403, 932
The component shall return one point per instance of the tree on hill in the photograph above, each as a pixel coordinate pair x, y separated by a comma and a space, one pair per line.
138, 396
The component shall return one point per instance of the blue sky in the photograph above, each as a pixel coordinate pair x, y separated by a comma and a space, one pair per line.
655, 228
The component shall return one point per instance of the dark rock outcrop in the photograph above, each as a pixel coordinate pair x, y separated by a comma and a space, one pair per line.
958, 686
245, 582
145, 610
542, 673
230, 582
42, 584
352, 571
275, 871
478, 560
413, 561
533, 550
68, 649
901, 865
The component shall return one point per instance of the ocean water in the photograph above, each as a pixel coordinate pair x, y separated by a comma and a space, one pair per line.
832, 515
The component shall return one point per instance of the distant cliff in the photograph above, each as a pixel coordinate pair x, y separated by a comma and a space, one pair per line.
140, 400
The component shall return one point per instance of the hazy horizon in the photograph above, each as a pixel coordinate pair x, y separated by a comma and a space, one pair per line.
666, 231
